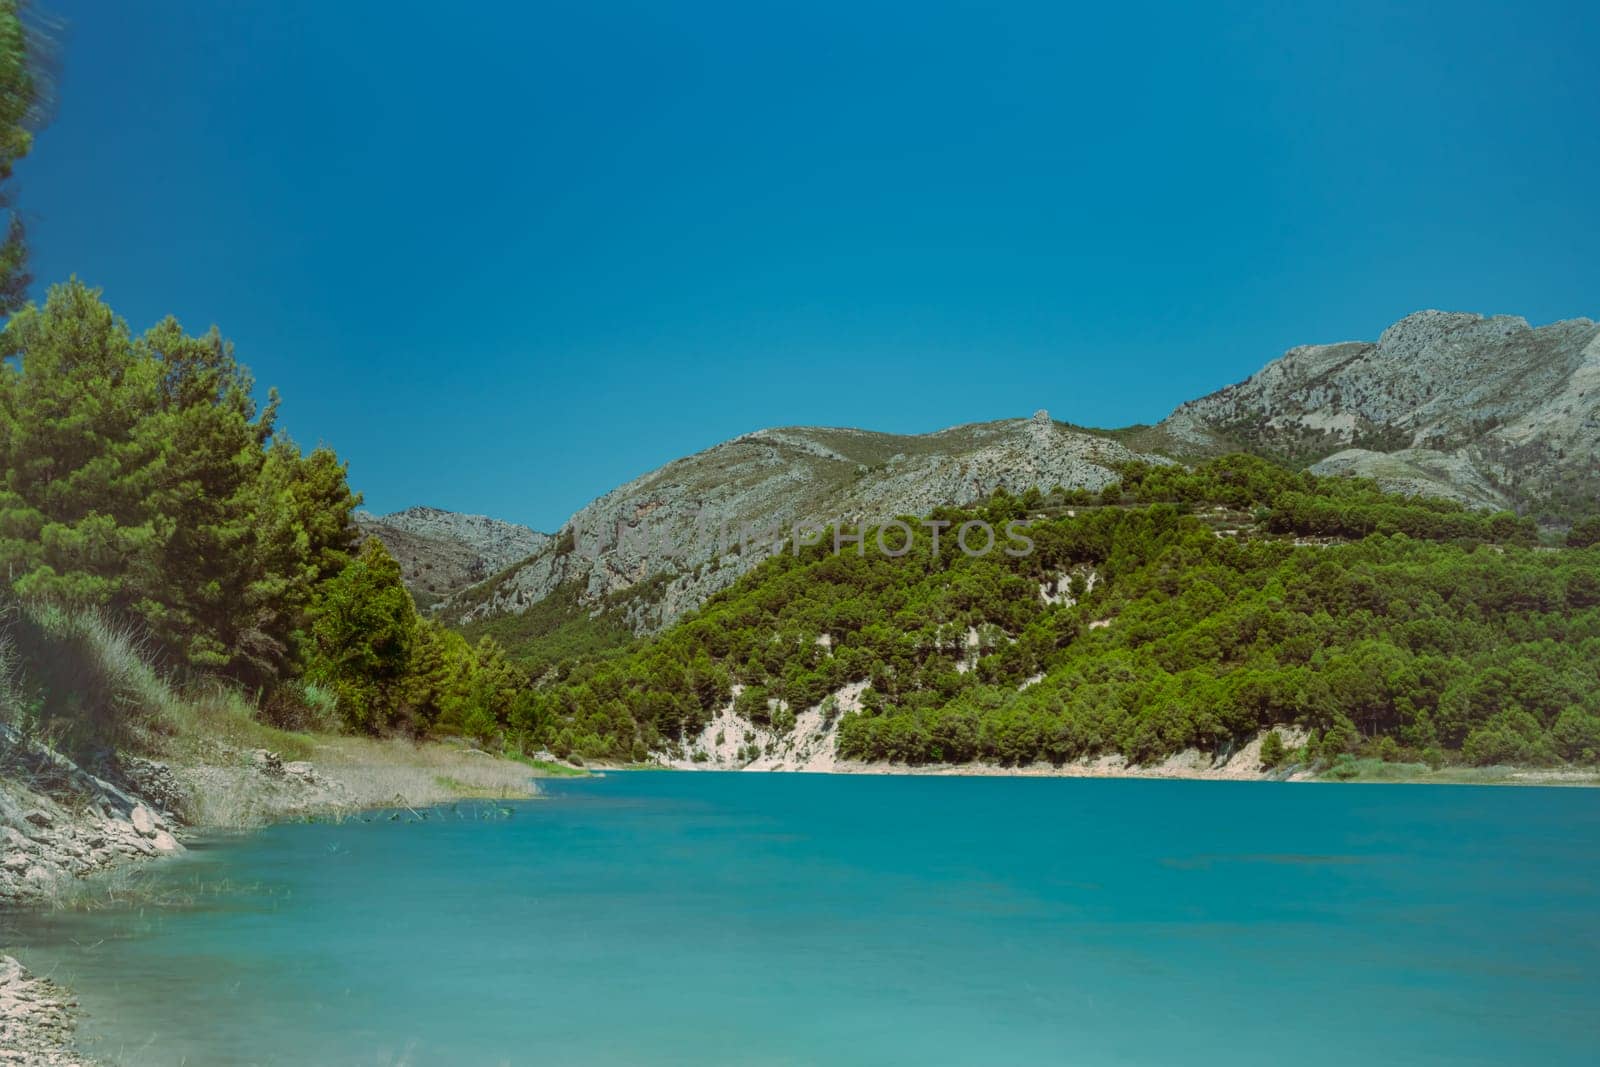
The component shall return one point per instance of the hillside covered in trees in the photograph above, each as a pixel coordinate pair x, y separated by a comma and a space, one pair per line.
1175, 609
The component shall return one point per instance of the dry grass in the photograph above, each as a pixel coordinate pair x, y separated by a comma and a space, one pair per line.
97, 684
89, 677
352, 774
212, 721
122, 886
376, 772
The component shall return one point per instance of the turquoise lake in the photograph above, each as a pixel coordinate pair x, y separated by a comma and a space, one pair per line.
700, 918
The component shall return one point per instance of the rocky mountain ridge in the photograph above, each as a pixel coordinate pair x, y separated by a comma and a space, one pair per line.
1489, 411
661, 544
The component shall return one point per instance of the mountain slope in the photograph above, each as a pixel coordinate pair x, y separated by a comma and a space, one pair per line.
1488, 411
442, 552
661, 544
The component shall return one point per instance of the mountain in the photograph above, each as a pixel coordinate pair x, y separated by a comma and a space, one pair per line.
442, 552
660, 545
1487, 411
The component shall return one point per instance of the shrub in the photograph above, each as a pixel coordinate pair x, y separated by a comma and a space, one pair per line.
1512, 736
1576, 734
1345, 768
1584, 533
782, 719
1272, 751
1340, 739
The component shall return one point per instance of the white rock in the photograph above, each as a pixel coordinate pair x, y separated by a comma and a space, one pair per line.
143, 821
300, 769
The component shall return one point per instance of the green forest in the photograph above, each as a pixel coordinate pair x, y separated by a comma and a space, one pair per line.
1205, 605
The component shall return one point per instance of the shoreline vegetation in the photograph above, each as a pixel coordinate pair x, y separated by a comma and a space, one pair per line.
1360, 772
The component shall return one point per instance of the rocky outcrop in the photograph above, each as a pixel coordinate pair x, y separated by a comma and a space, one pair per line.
495, 542
1419, 472
156, 783
730, 741
58, 821
1488, 411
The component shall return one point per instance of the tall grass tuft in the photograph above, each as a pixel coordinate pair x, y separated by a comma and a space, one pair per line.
85, 680
85, 683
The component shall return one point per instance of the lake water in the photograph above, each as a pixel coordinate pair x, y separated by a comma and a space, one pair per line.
680, 918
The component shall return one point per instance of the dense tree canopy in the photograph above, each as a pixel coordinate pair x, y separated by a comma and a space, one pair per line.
139, 477
137, 474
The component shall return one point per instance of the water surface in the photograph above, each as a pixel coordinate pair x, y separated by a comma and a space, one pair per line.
655, 918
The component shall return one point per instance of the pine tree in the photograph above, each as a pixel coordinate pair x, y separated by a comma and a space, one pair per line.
213, 440
302, 536
1272, 751
77, 460
139, 475
363, 632
24, 84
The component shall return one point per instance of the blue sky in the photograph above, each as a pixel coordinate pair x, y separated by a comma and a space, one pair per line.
506, 256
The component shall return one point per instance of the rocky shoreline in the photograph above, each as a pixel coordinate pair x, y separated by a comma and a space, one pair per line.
37, 1020
60, 823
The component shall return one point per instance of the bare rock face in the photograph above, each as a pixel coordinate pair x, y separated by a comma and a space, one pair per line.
267, 762
155, 782
1488, 411
663, 543
301, 771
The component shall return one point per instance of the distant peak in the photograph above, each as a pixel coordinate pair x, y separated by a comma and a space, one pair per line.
1422, 330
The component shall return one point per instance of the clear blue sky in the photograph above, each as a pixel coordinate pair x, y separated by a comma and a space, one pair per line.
506, 256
